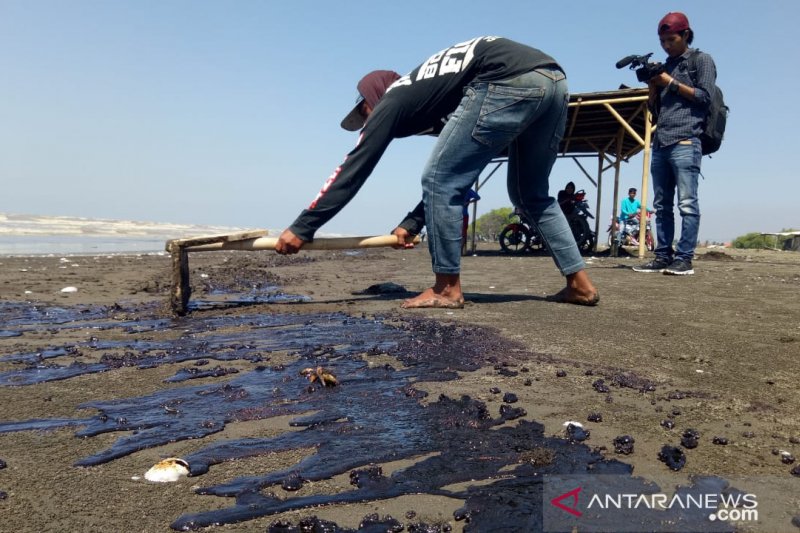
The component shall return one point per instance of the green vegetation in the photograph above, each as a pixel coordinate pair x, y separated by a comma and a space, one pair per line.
489, 225
756, 240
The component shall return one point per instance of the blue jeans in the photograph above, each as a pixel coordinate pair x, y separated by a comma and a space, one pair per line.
525, 114
676, 166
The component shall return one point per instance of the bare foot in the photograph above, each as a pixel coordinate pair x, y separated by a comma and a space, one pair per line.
429, 298
446, 293
572, 296
579, 291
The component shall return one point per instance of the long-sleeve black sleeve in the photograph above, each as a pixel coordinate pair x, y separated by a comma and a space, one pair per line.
414, 220
346, 180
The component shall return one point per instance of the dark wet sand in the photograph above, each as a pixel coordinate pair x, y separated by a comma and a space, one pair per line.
722, 347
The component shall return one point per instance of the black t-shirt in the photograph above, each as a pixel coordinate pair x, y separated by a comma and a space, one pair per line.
417, 103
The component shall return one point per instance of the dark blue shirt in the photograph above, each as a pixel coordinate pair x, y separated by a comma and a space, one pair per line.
680, 118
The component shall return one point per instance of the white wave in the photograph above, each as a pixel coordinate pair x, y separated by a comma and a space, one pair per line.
43, 225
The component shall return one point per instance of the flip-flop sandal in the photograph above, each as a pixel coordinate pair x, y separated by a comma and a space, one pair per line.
561, 297
431, 303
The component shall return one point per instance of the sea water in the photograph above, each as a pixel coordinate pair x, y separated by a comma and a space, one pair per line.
77, 244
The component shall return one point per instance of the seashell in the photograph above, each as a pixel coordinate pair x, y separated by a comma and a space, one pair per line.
69, 289
168, 470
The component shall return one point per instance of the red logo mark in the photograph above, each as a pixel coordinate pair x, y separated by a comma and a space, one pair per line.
573, 509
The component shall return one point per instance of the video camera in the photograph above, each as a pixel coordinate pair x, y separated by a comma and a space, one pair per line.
645, 69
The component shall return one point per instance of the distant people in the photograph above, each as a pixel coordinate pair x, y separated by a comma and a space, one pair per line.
566, 199
680, 97
629, 211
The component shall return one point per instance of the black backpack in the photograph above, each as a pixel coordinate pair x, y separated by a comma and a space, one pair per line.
714, 126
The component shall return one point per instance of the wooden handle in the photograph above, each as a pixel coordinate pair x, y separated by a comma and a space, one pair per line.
323, 243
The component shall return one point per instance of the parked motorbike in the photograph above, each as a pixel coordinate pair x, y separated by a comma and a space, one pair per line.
522, 235
628, 234
579, 223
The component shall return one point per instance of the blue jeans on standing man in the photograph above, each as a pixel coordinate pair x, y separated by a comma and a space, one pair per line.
525, 114
676, 167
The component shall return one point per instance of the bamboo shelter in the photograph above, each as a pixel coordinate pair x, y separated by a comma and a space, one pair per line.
611, 127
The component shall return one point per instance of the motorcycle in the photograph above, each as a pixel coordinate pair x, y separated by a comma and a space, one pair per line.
522, 235
628, 234
579, 223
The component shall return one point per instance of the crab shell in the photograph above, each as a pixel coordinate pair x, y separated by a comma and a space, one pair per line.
321, 375
311, 373
329, 380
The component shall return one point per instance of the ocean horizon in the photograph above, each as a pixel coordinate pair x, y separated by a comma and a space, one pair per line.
22, 234
16, 245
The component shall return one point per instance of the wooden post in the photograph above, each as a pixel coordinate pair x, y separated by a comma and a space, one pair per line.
645, 179
614, 250
181, 289
600, 157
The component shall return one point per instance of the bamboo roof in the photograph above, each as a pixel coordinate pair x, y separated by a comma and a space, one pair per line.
596, 120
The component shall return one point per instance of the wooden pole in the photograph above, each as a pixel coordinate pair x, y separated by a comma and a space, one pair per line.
181, 289
600, 157
645, 175
329, 243
614, 229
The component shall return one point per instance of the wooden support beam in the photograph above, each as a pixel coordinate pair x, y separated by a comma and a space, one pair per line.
625, 124
568, 136
588, 177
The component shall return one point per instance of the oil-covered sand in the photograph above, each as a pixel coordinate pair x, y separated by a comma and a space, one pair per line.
716, 352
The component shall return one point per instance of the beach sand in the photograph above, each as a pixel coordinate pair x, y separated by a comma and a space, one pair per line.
722, 348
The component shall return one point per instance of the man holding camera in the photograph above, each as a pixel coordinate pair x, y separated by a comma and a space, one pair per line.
679, 98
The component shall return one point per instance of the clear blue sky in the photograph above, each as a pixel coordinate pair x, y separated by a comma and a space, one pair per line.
227, 112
